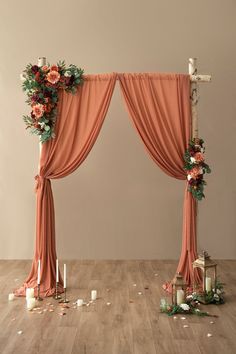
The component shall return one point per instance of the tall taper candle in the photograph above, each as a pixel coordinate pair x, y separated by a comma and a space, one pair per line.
38, 282
57, 272
64, 276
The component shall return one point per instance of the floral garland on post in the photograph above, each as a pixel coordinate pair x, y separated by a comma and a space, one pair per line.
196, 168
41, 85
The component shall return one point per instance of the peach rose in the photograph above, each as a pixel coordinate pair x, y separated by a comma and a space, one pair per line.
38, 110
199, 157
53, 77
195, 172
54, 68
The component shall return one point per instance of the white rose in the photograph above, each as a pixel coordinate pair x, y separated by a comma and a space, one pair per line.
189, 177
67, 73
185, 307
192, 159
218, 291
216, 297
202, 150
189, 297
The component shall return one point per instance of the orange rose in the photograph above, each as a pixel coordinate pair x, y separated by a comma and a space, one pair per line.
38, 110
194, 172
53, 77
199, 157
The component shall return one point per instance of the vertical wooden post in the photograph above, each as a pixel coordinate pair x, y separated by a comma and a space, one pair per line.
192, 69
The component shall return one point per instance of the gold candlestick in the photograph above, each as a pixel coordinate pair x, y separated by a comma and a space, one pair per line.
38, 295
65, 300
56, 295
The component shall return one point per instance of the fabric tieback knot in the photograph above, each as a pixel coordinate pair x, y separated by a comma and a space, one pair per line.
38, 181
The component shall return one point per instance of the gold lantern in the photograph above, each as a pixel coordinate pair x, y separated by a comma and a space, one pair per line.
206, 265
178, 289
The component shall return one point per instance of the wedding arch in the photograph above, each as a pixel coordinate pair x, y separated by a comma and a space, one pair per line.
163, 110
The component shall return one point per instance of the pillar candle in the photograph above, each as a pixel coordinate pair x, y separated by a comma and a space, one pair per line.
208, 284
29, 293
80, 302
41, 61
93, 295
39, 268
30, 303
64, 276
57, 271
11, 297
180, 297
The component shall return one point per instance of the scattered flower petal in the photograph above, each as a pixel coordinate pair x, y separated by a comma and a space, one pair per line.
40, 312
51, 310
183, 318
185, 326
13, 319
140, 293
108, 303
175, 317
134, 284
156, 274
212, 322
209, 335
62, 313
19, 332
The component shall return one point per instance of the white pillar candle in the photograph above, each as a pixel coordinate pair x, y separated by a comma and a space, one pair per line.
39, 269
42, 61
30, 303
180, 297
93, 295
11, 297
57, 271
29, 293
208, 284
80, 302
64, 276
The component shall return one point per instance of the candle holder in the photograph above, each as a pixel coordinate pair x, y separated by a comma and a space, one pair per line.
65, 300
38, 298
205, 264
178, 284
56, 295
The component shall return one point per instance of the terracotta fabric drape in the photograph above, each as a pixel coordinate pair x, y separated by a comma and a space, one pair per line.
80, 118
159, 106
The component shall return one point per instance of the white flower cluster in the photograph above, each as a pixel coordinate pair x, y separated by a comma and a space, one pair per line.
185, 307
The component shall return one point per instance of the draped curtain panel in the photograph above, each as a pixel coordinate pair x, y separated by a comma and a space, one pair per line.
80, 118
159, 105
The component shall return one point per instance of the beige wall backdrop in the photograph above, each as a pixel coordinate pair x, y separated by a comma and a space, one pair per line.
119, 204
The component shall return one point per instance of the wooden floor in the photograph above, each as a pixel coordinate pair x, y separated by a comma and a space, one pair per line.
130, 324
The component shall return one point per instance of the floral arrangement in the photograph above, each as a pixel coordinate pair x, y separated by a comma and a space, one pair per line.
41, 85
215, 296
188, 308
196, 168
